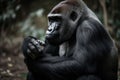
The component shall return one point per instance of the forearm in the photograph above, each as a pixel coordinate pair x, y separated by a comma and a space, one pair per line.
55, 66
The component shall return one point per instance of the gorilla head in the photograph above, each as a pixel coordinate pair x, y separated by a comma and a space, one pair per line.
63, 20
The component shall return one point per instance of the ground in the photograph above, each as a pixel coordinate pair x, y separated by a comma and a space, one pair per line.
12, 67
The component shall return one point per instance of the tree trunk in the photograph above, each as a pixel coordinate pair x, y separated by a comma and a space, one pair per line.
102, 3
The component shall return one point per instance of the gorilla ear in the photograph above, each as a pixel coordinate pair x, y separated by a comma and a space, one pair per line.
73, 16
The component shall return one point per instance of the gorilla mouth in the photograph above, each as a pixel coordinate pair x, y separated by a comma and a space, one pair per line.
51, 36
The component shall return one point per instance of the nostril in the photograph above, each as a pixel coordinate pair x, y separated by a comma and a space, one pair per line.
49, 29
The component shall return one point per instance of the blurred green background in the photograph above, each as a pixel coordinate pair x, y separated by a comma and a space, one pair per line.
21, 18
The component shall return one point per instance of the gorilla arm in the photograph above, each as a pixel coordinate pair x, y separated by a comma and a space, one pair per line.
84, 59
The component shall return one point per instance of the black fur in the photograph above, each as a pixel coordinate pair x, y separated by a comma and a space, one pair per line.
90, 55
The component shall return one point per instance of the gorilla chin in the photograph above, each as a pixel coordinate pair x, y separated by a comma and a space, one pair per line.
53, 39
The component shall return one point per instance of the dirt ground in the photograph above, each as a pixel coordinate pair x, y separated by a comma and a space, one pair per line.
12, 67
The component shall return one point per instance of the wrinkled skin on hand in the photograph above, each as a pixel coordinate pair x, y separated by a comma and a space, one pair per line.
32, 47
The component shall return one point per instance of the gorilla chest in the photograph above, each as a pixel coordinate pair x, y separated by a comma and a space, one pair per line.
65, 50
62, 50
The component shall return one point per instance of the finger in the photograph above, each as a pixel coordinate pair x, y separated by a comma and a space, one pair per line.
30, 54
32, 48
34, 41
28, 51
36, 44
42, 43
40, 49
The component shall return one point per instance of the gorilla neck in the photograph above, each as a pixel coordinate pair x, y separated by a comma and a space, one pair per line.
67, 48
63, 49
92, 15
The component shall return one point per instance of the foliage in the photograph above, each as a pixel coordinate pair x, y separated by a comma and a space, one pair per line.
29, 27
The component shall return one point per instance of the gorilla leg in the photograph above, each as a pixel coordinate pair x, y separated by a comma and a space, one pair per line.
29, 76
89, 77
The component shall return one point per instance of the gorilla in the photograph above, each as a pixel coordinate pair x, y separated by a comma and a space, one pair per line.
76, 47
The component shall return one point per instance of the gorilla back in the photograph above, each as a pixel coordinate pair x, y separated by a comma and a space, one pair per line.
77, 47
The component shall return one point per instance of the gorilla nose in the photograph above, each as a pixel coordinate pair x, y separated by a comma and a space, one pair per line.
49, 29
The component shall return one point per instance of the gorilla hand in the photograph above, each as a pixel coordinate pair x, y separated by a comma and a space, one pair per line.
32, 47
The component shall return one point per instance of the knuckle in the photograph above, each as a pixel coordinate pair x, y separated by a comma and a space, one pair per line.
32, 47
41, 42
28, 51
39, 49
29, 44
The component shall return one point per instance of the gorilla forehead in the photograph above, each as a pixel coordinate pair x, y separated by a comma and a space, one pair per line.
60, 8
65, 6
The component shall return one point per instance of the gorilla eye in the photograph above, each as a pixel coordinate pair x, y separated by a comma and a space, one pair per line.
73, 16
55, 18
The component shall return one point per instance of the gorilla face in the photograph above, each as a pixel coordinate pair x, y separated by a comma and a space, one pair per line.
62, 25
